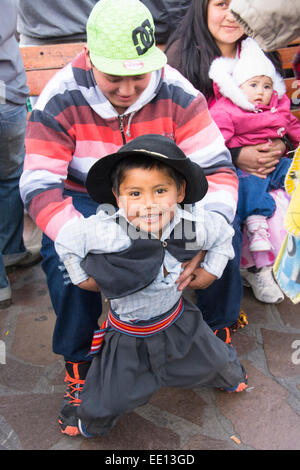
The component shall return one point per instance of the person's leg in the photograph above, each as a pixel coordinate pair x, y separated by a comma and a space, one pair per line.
253, 197
220, 303
77, 312
121, 378
128, 370
12, 151
195, 357
259, 276
5, 289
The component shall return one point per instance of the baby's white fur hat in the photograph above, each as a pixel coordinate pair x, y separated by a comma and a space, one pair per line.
229, 74
252, 63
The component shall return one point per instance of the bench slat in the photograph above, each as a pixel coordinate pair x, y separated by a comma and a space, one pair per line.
52, 56
42, 62
287, 55
37, 80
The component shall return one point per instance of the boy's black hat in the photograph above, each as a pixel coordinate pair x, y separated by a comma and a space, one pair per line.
160, 148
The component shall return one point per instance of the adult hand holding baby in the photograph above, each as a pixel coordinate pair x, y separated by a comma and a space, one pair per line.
261, 159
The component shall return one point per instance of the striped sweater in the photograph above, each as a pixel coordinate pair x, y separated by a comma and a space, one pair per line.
73, 125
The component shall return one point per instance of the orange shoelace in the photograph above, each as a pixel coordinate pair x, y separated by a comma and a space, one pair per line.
74, 388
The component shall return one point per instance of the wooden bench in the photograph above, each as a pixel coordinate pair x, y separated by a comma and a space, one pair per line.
42, 62
287, 55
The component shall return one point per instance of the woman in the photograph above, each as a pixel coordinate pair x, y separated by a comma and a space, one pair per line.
207, 31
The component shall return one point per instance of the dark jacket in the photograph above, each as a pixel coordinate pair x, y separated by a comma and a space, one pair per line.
166, 14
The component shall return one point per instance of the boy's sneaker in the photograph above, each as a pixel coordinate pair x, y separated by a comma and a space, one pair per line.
83, 431
75, 376
259, 240
5, 297
263, 285
240, 387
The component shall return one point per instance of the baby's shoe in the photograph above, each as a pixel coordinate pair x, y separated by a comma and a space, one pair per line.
258, 235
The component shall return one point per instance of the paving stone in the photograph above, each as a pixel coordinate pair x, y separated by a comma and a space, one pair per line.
184, 403
261, 417
243, 343
256, 311
279, 353
32, 418
4, 313
200, 442
19, 376
289, 313
31, 295
133, 432
33, 337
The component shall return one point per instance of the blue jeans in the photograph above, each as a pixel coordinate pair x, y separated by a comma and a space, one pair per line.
220, 302
254, 197
77, 310
13, 121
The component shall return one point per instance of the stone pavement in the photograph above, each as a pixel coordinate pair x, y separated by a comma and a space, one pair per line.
267, 416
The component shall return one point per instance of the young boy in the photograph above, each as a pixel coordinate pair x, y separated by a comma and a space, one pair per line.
152, 337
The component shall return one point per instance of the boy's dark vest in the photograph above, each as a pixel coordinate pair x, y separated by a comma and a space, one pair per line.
128, 271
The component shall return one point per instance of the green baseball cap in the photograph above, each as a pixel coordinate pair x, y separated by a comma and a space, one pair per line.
120, 38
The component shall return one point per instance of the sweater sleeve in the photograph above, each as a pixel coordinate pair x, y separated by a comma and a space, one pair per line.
49, 150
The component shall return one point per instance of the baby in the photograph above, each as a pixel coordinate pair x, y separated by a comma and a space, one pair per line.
254, 109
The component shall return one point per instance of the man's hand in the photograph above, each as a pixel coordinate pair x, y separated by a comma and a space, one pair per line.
193, 276
261, 159
89, 284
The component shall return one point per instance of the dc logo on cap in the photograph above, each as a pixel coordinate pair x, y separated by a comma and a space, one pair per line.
143, 35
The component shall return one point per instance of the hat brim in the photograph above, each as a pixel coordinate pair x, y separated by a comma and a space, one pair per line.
99, 187
154, 59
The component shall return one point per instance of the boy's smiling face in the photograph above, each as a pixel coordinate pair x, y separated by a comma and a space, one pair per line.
149, 198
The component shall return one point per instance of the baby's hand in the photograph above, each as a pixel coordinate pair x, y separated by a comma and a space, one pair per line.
89, 284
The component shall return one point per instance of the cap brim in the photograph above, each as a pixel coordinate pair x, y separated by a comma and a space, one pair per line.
99, 185
154, 59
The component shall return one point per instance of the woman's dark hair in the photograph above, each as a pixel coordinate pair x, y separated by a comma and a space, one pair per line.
144, 162
191, 48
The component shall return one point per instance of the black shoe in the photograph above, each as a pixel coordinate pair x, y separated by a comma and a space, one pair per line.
75, 376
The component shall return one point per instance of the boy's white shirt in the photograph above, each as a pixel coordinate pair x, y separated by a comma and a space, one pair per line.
100, 233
